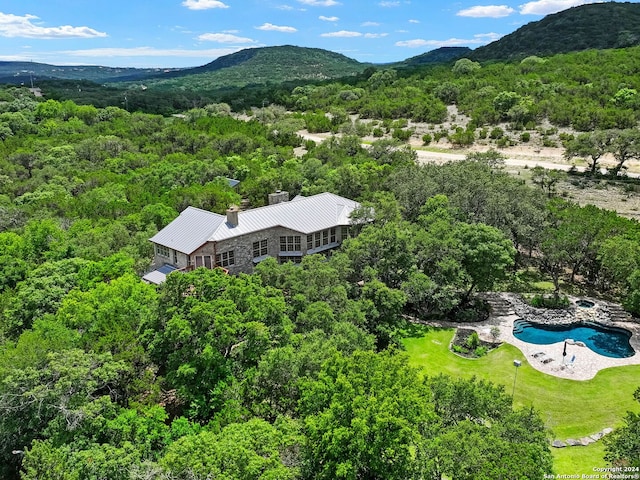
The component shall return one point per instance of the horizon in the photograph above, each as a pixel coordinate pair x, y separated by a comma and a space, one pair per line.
190, 33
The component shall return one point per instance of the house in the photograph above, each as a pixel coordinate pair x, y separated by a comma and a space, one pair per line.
285, 230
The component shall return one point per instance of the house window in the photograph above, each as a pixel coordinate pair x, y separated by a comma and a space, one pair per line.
290, 243
260, 248
203, 261
325, 237
163, 251
225, 259
344, 233
333, 235
310, 241
317, 238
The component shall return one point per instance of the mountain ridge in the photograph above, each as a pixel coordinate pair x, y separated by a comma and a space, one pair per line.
597, 26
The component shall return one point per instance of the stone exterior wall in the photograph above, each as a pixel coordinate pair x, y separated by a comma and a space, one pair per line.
242, 247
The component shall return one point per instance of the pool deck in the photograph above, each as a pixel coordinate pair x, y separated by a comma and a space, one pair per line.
586, 364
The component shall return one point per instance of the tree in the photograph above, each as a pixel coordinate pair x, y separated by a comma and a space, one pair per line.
365, 417
624, 146
591, 145
486, 255
40, 293
207, 324
547, 179
386, 249
480, 436
622, 447
254, 450
59, 394
464, 66
110, 316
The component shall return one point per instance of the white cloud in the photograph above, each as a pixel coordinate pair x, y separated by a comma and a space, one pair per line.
276, 28
414, 21
389, 4
328, 19
285, 7
482, 11
375, 35
17, 26
546, 7
342, 34
479, 39
320, 3
224, 38
203, 4
369, 24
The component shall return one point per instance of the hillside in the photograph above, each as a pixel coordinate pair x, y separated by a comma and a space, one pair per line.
439, 55
595, 26
262, 66
17, 73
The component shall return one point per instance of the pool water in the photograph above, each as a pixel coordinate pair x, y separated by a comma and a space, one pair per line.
609, 342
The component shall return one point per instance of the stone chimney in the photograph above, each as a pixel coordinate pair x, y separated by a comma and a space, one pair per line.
232, 215
278, 197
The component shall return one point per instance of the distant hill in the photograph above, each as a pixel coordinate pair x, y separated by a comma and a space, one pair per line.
262, 66
594, 26
439, 55
24, 72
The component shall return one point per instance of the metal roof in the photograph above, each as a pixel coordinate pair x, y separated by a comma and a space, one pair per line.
306, 215
160, 275
190, 230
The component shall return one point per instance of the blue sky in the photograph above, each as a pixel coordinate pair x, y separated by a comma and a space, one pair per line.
182, 33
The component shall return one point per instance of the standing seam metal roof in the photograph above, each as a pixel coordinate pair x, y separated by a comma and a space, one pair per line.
189, 230
306, 215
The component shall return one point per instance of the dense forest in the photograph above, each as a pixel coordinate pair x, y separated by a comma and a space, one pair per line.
293, 371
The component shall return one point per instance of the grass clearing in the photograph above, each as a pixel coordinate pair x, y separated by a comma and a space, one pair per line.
570, 408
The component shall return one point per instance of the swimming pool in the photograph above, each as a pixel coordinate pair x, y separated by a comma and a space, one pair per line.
607, 341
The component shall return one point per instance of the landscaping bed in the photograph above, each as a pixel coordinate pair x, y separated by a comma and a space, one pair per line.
468, 344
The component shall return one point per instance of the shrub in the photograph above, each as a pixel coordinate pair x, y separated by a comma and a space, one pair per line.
496, 133
495, 333
473, 341
525, 137
480, 351
545, 301
378, 132
401, 134
427, 139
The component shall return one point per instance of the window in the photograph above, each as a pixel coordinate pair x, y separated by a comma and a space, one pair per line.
203, 261
290, 243
333, 235
260, 248
344, 233
325, 237
163, 251
225, 259
317, 237
310, 241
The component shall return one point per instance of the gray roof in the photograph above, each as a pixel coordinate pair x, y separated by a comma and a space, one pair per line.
160, 275
190, 230
306, 215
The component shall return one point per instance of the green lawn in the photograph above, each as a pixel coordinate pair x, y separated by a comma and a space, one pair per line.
570, 408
